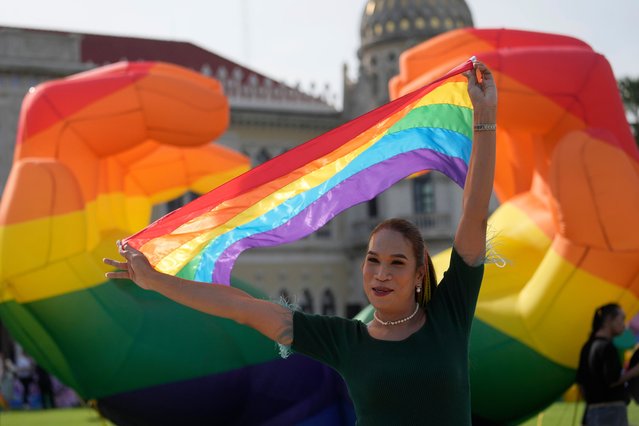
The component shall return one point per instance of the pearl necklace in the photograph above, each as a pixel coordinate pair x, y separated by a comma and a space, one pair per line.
399, 321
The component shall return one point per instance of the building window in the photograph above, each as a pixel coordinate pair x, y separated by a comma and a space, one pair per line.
328, 302
448, 23
353, 309
285, 297
180, 201
222, 73
306, 301
374, 84
324, 232
370, 7
262, 157
206, 70
238, 75
372, 209
390, 27
424, 194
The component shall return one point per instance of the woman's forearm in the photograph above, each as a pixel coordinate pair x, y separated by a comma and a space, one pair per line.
470, 239
481, 169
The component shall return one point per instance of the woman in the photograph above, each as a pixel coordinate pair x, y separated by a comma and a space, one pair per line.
409, 365
599, 374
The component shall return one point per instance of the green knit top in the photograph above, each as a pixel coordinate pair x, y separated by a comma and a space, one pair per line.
421, 380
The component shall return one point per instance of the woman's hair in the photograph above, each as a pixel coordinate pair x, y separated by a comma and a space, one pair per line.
412, 234
603, 313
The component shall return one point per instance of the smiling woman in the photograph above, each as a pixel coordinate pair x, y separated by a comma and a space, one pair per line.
415, 351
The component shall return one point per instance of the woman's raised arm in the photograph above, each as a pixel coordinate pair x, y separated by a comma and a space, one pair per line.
470, 238
271, 319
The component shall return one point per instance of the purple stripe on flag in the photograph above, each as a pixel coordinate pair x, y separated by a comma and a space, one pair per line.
360, 187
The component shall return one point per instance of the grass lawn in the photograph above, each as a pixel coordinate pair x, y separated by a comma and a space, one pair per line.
57, 417
570, 413
559, 414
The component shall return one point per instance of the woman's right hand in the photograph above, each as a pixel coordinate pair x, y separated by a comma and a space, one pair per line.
136, 267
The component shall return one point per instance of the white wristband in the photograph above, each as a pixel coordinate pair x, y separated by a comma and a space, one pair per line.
485, 127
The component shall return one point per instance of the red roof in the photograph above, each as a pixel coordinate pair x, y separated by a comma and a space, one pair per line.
101, 49
105, 49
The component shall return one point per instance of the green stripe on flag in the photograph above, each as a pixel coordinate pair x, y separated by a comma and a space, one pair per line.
445, 116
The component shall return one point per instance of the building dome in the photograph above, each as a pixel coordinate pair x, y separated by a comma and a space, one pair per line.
386, 21
388, 28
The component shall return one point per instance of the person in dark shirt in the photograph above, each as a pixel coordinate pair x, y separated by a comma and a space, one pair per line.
599, 374
410, 364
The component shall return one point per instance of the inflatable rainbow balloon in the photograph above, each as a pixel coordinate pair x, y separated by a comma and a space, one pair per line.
91, 160
568, 180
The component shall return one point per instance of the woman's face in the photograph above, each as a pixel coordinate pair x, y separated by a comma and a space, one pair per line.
618, 323
390, 273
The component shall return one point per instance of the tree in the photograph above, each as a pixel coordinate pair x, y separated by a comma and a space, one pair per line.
629, 89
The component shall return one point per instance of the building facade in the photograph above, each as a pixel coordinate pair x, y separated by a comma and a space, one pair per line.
321, 273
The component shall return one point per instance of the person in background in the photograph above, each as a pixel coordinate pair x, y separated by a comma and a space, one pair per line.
7, 380
4, 374
46, 387
599, 373
25, 372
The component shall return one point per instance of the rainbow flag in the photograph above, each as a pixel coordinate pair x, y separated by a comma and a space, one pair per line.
296, 193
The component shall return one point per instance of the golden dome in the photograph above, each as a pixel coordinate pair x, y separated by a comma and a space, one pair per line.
391, 20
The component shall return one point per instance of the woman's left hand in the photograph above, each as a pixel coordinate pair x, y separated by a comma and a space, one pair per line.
482, 90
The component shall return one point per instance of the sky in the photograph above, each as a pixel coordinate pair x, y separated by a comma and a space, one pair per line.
307, 42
